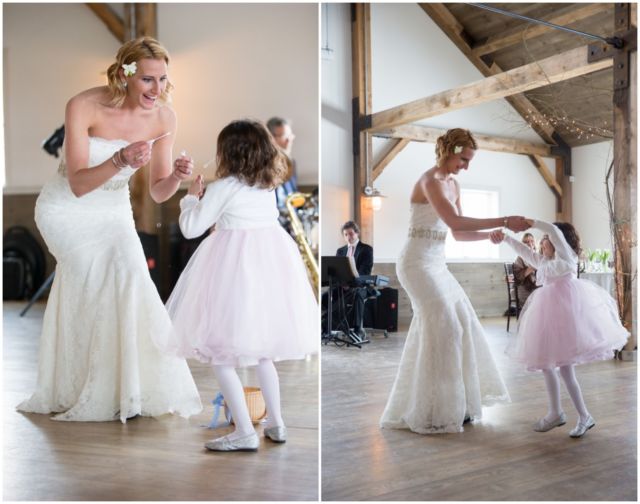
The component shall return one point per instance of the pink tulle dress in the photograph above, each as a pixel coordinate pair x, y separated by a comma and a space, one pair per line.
244, 295
568, 320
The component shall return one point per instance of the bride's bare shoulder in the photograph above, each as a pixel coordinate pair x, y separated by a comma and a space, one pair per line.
419, 193
89, 99
429, 178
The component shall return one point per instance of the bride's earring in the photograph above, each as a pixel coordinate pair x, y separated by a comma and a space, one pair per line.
124, 84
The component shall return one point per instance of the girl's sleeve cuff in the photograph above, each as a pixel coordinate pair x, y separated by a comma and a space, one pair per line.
189, 201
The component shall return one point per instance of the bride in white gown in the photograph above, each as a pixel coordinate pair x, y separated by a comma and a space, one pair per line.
97, 360
446, 372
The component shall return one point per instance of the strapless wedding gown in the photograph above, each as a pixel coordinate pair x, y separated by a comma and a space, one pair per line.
446, 371
97, 361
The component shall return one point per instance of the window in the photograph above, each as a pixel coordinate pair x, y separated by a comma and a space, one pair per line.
475, 203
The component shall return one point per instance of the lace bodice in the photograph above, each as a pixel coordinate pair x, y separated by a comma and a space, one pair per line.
424, 222
100, 150
425, 237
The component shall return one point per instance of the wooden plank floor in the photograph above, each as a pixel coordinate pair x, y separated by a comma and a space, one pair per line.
150, 459
500, 458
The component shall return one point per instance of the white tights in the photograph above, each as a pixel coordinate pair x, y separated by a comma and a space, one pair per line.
573, 387
233, 393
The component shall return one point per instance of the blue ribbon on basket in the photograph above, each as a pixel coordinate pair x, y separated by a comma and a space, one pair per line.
218, 402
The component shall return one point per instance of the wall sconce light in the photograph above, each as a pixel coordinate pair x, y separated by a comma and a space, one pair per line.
375, 195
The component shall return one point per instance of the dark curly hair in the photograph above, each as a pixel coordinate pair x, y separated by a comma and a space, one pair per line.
247, 151
571, 235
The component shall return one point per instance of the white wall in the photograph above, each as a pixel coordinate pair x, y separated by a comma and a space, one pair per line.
412, 58
336, 194
228, 61
590, 212
244, 60
51, 52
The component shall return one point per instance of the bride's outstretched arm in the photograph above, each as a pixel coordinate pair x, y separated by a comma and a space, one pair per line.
450, 214
471, 235
468, 235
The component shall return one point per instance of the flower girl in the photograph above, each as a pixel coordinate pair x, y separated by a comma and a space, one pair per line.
244, 298
567, 321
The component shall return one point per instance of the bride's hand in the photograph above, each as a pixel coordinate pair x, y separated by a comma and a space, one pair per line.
136, 155
496, 236
517, 223
197, 187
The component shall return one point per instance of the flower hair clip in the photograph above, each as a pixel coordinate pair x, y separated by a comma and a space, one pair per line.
130, 69
457, 149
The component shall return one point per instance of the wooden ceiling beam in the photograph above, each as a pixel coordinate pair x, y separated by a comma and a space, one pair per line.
557, 68
547, 175
452, 28
395, 149
419, 133
567, 16
111, 20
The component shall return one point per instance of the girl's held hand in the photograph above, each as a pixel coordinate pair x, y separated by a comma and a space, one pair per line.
516, 223
197, 187
496, 236
183, 167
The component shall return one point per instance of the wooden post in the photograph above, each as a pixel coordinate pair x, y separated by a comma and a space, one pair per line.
564, 212
146, 212
361, 87
625, 174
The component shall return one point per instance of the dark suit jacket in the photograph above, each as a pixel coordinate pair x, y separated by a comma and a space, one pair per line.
363, 257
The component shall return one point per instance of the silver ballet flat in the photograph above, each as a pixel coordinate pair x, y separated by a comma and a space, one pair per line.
250, 442
582, 428
543, 425
277, 434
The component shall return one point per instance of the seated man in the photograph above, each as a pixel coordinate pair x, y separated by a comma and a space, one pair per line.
363, 258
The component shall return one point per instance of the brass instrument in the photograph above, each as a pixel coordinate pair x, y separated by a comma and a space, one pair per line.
294, 200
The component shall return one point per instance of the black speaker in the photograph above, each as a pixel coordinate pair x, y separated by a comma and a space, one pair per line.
387, 310
150, 248
13, 278
18, 242
180, 250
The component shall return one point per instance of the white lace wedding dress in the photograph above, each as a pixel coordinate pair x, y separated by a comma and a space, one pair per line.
97, 360
446, 371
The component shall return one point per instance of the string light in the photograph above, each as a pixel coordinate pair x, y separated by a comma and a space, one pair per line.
568, 125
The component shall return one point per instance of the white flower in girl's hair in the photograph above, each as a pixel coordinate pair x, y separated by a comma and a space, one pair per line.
457, 149
130, 69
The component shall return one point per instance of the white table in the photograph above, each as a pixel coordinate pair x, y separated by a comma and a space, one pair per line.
604, 279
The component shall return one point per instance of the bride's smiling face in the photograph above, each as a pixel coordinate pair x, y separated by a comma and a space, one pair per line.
456, 162
145, 87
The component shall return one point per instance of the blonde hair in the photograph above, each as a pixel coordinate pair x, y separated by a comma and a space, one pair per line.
135, 50
453, 138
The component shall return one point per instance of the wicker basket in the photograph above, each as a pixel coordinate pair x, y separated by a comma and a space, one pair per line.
255, 404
